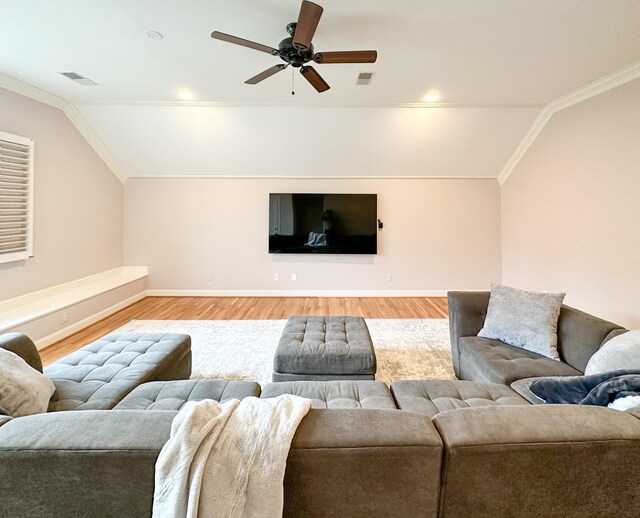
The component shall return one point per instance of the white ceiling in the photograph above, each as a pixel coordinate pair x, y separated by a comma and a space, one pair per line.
280, 141
496, 63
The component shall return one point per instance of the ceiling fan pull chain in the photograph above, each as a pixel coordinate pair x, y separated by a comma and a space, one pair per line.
293, 82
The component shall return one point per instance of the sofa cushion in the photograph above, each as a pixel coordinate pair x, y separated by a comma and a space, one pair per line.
363, 463
23, 389
100, 375
430, 397
621, 352
580, 335
335, 394
524, 319
493, 361
173, 395
325, 345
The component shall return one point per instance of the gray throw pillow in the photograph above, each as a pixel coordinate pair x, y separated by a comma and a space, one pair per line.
621, 352
524, 319
23, 389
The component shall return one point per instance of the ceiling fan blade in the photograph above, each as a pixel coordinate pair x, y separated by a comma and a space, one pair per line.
264, 75
241, 41
314, 78
348, 56
307, 23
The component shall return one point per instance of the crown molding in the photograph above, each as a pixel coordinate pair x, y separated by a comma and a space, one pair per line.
85, 129
33, 92
72, 113
604, 84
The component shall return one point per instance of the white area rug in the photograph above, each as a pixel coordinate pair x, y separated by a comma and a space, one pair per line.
244, 349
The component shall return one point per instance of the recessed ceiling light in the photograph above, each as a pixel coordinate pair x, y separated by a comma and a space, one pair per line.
185, 95
432, 96
154, 35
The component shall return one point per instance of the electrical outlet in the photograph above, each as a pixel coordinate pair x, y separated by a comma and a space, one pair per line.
209, 276
293, 276
389, 277
64, 319
276, 276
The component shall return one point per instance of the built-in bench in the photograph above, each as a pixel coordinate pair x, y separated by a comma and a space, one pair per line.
53, 313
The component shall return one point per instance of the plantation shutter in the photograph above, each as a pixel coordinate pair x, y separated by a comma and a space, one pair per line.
16, 197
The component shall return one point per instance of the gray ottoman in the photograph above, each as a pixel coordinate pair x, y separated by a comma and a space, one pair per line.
336, 394
172, 395
430, 397
324, 348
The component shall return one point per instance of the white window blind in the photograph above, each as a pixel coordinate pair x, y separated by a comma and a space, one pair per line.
16, 197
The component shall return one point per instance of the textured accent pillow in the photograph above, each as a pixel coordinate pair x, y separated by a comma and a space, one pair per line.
621, 352
23, 389
524, 319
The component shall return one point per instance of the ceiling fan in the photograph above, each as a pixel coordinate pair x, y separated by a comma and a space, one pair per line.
297, 50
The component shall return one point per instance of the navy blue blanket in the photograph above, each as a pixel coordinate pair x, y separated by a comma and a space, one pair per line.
597, 389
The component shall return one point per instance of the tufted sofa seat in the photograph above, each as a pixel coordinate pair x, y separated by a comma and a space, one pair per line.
173, 395
101, 374
493, 361
324, 348
336, 394
430, 397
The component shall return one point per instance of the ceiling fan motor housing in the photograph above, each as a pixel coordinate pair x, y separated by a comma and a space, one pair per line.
290, 54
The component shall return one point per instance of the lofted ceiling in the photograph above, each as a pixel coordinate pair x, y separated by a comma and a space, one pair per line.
496, 63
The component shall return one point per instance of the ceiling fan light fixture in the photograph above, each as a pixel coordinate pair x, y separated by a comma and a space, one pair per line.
297, 50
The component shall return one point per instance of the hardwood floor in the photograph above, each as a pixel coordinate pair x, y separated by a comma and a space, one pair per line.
249, 308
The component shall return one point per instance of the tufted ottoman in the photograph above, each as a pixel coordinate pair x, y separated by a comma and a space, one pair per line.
100, 374
336, 394
172, 395
430, 397
324, 348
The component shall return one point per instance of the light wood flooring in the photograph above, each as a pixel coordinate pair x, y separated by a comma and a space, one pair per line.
249, 308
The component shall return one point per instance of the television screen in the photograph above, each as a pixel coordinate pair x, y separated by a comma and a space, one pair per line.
323, 223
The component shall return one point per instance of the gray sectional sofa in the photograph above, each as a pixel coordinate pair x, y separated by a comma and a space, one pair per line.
424, 448
580, 335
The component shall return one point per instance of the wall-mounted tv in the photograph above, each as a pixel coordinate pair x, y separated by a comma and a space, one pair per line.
323, 223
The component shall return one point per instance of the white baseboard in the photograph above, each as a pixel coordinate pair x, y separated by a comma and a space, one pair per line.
297, 293
85, 322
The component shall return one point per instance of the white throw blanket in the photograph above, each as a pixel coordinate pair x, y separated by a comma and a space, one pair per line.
228, 459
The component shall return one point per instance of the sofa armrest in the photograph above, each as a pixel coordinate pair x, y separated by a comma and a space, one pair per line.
360, 462
543, 460
467, 311
23, 346
78, 464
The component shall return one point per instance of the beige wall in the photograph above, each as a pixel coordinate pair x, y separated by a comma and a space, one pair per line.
78, 202
571, 208
438, 235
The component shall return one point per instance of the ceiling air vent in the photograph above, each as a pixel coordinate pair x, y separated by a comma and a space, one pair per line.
81, 80
364, 78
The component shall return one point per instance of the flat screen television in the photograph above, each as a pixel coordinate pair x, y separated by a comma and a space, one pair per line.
323, 223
